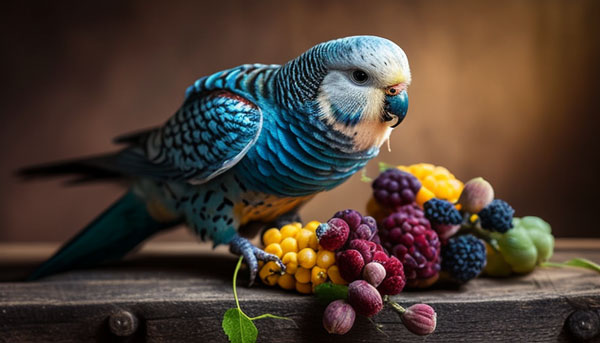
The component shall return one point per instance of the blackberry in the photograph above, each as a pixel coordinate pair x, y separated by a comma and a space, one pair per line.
497, 216
463, 257
442, 212
395, 187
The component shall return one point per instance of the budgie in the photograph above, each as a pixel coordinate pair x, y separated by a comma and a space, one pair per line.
249, 145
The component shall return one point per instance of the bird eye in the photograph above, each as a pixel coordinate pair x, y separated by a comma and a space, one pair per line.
360, 76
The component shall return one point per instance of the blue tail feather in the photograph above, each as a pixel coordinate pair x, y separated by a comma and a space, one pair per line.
109, 237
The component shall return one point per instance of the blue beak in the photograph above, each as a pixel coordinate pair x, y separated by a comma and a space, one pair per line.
396, 107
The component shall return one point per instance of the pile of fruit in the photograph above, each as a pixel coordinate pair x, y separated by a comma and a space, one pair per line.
462, 230
424, 225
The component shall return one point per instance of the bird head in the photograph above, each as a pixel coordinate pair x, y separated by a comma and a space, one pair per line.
357, 85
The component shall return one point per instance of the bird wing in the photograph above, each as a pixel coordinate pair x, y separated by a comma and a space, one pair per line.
209, 134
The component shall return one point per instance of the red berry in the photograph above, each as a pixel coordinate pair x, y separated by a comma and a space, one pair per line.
350, 262
380, 256
392, 285
365, 248
333, 234
393, 267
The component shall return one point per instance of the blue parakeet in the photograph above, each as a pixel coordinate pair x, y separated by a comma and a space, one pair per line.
249, 145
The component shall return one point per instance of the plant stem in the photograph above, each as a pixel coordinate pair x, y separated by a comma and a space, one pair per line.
235, 273
268, 315
394, 305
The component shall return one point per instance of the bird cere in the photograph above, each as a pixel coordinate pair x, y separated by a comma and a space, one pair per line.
251, 144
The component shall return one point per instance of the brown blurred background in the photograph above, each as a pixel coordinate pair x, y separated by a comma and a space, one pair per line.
507, 90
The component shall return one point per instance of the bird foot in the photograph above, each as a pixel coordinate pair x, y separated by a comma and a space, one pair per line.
252, 254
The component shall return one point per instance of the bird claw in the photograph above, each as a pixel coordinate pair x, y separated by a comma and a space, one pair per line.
252, 254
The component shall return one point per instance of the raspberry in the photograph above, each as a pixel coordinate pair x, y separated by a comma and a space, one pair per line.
441, 212
464, 257
350, 263
380, 256
392, 285
333, 234
393, 266
395, 280
408, 236
395, 187
364, 247
497, 216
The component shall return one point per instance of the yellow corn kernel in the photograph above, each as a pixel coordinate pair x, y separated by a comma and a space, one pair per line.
290, 260
302, 275
304, 288
289, 244
312, 226
318, 275
289, 230
307, 258
272, 235
297, 224
303, 238
275, 249
287, 281
269, 273
325, 258
334, 275
423, 195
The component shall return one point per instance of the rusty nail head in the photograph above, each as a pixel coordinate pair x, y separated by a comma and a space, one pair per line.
123, 323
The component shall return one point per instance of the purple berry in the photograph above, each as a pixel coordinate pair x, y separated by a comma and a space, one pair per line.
408, 235
394, 188
352, 217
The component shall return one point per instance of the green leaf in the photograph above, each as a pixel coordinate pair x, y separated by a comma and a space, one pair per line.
238, 327
236, 324
328, 292
576, 262
385, 166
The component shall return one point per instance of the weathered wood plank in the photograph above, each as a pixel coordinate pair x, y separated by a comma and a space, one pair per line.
182, 296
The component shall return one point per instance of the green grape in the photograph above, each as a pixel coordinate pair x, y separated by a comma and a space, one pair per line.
518, 250
539, 232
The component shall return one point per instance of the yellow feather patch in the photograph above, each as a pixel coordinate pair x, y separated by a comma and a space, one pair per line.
159, 212
267, 209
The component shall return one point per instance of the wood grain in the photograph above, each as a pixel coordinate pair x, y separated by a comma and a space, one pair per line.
180, 294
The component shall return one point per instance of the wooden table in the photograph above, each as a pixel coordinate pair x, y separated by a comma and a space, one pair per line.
178, 292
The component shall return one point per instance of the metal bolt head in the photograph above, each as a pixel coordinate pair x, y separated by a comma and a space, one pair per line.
123, 323
583, 325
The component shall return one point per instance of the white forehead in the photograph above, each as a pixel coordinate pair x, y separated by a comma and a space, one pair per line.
381, 58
